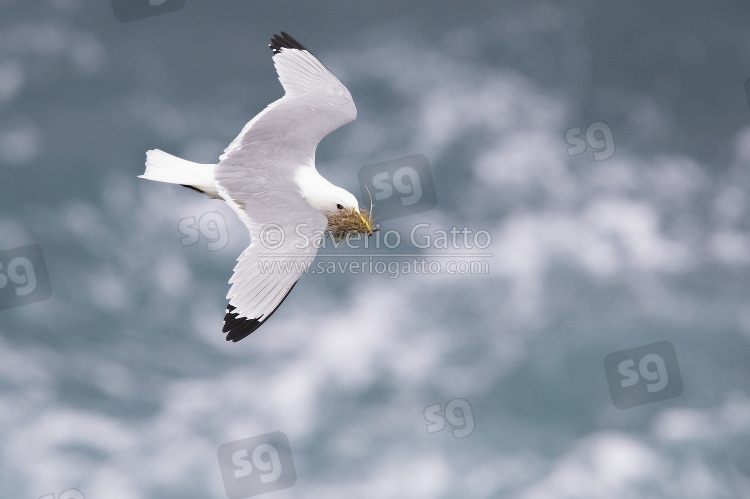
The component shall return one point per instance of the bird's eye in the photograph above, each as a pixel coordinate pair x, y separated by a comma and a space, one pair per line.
339, 206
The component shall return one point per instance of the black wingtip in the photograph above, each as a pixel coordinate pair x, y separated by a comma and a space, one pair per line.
284, 42
241, 327
238, 327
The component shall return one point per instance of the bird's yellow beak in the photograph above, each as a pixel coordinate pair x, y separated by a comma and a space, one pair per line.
364, 220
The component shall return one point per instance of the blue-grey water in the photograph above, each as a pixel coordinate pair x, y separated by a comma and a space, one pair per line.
601, 150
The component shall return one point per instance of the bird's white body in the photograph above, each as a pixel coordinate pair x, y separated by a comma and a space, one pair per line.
313, 187
267, 176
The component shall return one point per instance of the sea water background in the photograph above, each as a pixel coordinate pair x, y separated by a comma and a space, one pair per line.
121, 385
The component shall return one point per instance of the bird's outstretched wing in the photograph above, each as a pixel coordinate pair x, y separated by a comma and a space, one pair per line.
286, 133
284, 241
255, 176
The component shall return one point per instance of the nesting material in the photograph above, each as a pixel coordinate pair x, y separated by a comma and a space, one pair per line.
349, 222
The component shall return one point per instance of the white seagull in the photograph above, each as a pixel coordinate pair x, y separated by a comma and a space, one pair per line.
267, 175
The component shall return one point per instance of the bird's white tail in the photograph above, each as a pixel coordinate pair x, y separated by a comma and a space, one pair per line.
163, 167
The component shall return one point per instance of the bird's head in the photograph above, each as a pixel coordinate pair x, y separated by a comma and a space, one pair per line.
345, 216
338, 205
344, 200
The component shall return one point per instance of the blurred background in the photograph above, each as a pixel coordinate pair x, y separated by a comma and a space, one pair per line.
603, 146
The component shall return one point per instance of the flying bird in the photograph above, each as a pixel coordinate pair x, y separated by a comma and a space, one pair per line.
267, 175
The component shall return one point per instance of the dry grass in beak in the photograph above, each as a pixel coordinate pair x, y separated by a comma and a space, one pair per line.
349, 222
